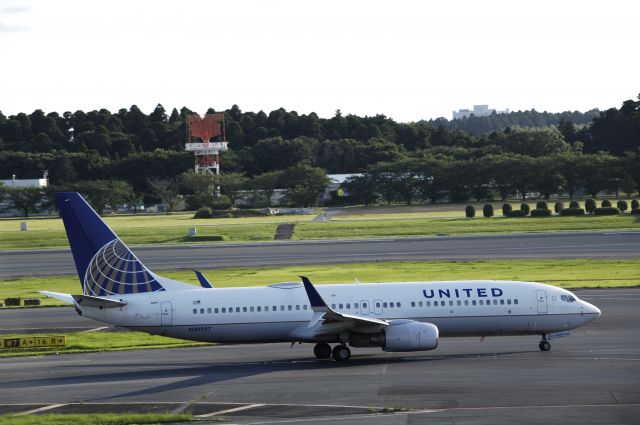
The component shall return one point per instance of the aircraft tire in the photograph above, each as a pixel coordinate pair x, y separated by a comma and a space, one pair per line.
341, 353
544, 346
322, 350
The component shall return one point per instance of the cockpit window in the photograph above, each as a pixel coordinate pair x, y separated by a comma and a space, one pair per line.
568, 298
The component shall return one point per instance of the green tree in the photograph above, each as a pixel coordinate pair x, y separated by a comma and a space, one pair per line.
304, 184
361, 189
166, 190
104, 193
266, 184
231, 184
25, 199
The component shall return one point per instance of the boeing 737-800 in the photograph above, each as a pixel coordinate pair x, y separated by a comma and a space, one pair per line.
403, 316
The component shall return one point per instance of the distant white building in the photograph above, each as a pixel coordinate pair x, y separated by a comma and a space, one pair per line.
13, 182
478, 111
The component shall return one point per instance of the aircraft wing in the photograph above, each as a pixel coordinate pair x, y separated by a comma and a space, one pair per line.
327, 321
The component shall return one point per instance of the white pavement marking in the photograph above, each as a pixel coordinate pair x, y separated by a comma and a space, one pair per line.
224, 412
41, 409
95, 329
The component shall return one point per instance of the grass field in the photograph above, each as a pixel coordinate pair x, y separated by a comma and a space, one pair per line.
581, 273
456, 226
96, 419
49, 232
90, 342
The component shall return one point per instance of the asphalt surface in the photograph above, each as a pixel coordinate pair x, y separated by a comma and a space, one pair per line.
591, 377
610, 244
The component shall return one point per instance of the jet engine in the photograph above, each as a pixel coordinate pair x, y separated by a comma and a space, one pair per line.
400, 335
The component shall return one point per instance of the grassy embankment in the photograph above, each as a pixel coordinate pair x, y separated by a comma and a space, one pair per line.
49, 232
96, 419
169, 229
580, 273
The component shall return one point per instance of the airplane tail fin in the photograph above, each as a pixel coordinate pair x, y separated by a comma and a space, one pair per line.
105, 265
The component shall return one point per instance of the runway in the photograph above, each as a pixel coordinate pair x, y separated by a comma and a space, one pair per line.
610, 244
590, 377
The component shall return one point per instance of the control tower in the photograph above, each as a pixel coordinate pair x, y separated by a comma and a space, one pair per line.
206, 138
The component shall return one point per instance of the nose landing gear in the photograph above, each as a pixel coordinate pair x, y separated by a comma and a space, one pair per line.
544, 344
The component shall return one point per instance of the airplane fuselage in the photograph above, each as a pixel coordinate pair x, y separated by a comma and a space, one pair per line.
280, 312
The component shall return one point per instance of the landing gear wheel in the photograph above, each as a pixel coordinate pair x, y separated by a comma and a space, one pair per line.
322, 350
341, 353
544, 345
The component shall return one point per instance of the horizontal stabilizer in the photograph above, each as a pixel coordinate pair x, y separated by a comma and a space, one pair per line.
93, 301
59, 296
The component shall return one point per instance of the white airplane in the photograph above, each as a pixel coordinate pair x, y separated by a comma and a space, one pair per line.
404, 316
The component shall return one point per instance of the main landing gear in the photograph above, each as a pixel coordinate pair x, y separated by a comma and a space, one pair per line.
544, 344
340, 353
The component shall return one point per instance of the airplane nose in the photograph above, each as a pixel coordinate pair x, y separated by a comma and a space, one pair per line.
592, 309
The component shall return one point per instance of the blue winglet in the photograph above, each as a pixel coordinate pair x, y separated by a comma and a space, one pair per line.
203, 280
314, 297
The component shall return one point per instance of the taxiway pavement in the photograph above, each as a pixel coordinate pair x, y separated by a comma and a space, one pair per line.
610, 244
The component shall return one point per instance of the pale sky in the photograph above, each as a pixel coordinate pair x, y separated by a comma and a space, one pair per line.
409, 60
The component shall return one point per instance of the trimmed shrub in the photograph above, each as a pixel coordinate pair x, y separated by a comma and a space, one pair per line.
470, 211
557, 207
590, 206
222, 202
12, 302
636, 211
574, 204
203, 213
506, 209
517, 213
606, 211
487, 210
541, 212
541, 205
606, 203
622, 206
572, 211
635, 204
525, 208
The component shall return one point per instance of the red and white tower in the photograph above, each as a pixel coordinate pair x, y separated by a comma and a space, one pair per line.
206, 138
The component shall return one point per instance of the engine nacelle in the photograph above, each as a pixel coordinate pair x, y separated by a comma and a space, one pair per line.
410, 336
400, 335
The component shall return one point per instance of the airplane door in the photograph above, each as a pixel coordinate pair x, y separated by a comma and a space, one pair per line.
364, 307
542, 301
377, 306
166, 313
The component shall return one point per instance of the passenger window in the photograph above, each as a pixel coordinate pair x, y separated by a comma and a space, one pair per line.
398, 305
297, 307
413, 303
224, 310
450, 303
364, 305
419, 303
333, 306
378, 305
428, 303
289, 308
391, 305
348, 305
515, 301
259, 308
384, 305
238, 309
251, 309
209, 310
215, 310
442, 303
466, 302
202, 311
509, 302
355, 305
281, 308
495, 302
340, 306
501, 302
244, 309
195, 311
459, 302
481, 302
473, 302
304, 307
